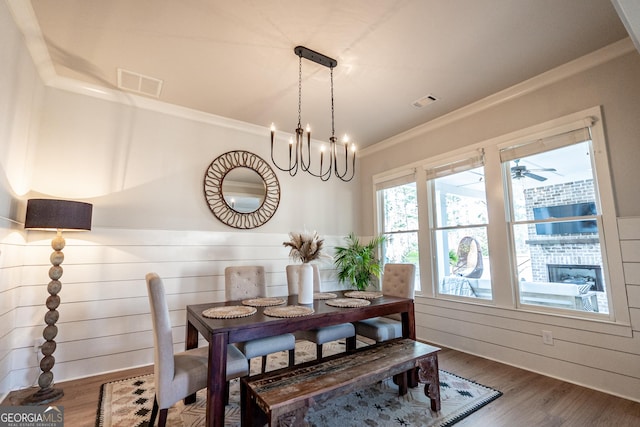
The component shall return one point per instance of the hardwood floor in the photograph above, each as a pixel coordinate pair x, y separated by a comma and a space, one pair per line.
528, 399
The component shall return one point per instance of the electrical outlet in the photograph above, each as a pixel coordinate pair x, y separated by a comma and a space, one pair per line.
547, 337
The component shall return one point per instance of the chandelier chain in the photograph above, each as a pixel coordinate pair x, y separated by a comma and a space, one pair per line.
333, 127
299, 91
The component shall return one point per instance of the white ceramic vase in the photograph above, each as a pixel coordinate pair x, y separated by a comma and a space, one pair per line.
305, 284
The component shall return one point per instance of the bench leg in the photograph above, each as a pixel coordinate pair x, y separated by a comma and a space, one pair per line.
250, 414
293, 418
429, 375
401, 381
412, 378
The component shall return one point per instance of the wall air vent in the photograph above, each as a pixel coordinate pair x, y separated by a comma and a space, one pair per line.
138, 83
424, 101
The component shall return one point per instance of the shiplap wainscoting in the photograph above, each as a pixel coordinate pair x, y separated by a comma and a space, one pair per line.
11, 249
595, 354
629, 229
105, 323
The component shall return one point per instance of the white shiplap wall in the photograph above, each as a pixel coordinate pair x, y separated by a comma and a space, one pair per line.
104, 315
105, 324
598, 355
629, 229
11, 249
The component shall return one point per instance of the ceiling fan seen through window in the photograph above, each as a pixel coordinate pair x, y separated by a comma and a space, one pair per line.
519, 172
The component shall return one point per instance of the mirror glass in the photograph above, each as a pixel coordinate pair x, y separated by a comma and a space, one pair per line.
243, 190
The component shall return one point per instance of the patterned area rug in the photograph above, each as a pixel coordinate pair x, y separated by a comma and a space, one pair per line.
127, 403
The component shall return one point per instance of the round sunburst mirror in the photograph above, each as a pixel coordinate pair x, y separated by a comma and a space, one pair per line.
241, 189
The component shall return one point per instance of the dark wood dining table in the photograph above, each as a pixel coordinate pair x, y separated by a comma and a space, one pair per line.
220, 332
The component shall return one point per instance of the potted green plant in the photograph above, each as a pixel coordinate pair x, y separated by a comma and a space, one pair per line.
357, 263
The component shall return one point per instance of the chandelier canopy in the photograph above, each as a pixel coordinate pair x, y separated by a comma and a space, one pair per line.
299, 156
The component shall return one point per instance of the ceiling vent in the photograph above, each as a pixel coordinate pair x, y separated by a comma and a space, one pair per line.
138, 83
424, 101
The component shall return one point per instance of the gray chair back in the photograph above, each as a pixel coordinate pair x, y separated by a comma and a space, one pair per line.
242, 282
164, 367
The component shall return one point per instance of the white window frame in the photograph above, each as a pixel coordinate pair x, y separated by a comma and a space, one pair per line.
401, 177
609, 240
504, 296
461, 162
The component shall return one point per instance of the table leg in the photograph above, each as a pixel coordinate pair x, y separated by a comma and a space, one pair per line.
216, 381
409, 323
430, 377
351, 343
409, 331
191, 341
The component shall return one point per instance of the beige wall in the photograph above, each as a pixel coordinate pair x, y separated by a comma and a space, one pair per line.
20, 103
614, 85
601, 355
143, 170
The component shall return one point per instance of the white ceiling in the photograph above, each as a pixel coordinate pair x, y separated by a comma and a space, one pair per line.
235, 58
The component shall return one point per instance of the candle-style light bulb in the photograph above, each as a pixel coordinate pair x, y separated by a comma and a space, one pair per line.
273, 128
345, 139
353, 147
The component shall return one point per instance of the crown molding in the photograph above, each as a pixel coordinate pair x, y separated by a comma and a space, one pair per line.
547, 78
629, 13
26, 21
138, 101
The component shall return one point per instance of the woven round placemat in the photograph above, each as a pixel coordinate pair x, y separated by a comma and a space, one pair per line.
324, 295
363, 294
288, 311
263, 302
348, 302
229, 312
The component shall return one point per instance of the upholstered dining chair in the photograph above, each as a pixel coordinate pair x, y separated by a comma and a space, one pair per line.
325, 334
398, 280
244, 282
178, 375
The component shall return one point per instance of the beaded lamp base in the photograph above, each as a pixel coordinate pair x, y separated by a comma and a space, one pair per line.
43, 395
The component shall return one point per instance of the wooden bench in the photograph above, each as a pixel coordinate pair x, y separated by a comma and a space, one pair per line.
283, 397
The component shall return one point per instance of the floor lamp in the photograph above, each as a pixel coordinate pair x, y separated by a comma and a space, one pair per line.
50, 214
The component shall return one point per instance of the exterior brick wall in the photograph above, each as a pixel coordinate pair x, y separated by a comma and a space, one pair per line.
565, 249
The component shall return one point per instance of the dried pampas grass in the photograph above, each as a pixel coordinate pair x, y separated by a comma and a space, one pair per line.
304, 246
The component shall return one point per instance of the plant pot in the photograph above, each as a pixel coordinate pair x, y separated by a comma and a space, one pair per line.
305, 284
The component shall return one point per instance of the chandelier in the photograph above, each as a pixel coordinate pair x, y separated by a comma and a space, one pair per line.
299, 156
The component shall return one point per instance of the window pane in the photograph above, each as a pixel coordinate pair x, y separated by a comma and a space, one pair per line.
461, 199
461, 248
559, 262
463, 262
403, 248
399, 211
400, 208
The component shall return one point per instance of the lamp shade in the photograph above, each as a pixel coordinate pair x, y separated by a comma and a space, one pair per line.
58, 214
